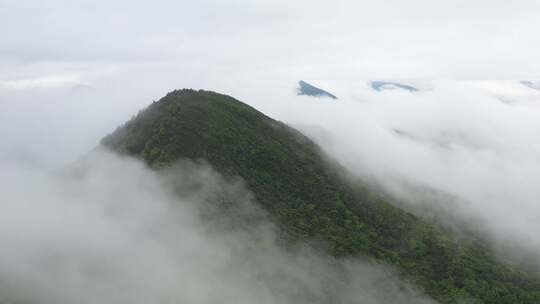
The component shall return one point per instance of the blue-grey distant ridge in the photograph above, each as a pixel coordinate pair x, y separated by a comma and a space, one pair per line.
310, 90
389, 85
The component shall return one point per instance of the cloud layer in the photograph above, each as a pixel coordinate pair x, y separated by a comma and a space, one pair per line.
109, 230
476, 143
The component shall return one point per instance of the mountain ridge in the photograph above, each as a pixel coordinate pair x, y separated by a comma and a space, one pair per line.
309, 200
307, 89
380, 85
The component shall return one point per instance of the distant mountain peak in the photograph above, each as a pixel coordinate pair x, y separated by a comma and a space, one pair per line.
311, 90
380, 85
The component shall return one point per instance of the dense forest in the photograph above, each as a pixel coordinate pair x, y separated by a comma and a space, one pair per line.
308, 197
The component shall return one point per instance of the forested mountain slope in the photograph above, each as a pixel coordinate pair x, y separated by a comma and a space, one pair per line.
311, 201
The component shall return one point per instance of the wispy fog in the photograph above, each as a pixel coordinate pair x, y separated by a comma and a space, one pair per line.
469, 149
108, 230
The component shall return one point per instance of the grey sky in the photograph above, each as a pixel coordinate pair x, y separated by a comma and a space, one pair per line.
315, 39
95, 63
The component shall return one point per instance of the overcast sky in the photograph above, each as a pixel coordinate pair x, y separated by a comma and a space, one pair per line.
91, 42
90, 65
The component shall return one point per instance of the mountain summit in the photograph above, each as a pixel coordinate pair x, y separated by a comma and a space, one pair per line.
311, 90
311, 201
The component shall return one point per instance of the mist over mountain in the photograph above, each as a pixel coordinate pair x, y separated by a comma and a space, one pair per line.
108, 229
430, 134
418, 185
310, 199
450, 137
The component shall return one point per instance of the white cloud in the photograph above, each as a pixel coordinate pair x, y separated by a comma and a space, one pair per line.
50, 81
109, 230
459, 138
